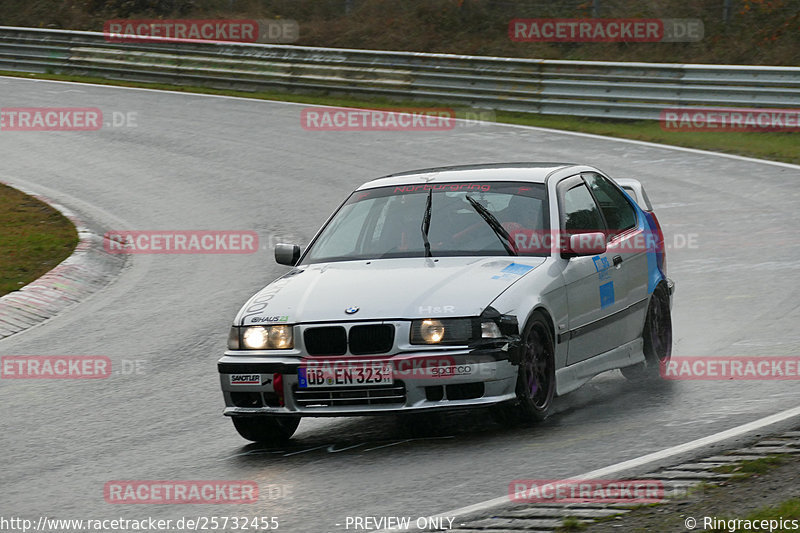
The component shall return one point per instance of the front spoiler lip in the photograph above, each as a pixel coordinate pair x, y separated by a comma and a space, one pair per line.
375, 410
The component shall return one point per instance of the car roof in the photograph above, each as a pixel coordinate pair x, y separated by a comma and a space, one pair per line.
526, 172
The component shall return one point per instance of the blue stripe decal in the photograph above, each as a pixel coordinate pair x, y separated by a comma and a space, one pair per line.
654, 274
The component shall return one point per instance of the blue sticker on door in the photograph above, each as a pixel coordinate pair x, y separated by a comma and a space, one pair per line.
606, 294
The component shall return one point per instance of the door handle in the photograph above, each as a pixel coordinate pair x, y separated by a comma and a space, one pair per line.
617, 261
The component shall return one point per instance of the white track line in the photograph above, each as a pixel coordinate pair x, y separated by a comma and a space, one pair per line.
603, 473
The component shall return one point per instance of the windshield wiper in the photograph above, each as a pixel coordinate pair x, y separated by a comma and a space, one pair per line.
496, 226
426, 224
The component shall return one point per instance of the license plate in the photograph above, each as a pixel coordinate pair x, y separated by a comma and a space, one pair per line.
345, 375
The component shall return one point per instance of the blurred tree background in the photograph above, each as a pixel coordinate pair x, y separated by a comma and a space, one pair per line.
757, 32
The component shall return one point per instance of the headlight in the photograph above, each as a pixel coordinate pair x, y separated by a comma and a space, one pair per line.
280, 337
490, 330
442, 331
431, 331
261, 338
255, 338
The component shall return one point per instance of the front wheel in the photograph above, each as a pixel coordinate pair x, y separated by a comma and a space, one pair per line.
266, 429
657, 336
536, 376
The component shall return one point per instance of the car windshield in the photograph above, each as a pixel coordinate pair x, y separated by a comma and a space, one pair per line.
387, 222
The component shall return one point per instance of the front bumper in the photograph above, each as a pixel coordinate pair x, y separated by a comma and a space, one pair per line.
470, 379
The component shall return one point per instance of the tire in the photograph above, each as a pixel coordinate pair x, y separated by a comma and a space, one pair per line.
271, 430
536, 376
657, 336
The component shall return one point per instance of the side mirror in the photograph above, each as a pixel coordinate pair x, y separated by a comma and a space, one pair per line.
587, 243
287, 254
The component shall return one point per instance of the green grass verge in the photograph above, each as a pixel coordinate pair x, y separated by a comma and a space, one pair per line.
745, 469
776, 146
570, 524
35, 238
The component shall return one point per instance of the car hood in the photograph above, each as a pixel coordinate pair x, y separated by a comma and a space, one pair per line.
385, 289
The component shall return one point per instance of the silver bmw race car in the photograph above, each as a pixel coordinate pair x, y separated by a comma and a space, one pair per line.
498, 286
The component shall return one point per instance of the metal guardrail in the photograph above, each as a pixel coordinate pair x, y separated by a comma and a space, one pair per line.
583, 88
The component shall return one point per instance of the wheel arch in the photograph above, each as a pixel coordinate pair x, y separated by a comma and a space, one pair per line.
662, 286
541, 309
559, 349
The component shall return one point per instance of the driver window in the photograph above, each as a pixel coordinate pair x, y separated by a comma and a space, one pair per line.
580, 212
618, 212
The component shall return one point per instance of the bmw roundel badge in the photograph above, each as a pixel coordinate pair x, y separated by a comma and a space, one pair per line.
351, 310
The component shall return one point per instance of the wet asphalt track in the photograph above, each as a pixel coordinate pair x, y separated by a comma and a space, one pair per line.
196, 162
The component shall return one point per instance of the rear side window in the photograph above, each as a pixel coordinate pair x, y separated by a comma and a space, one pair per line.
641, 198
617, 210
580, 211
